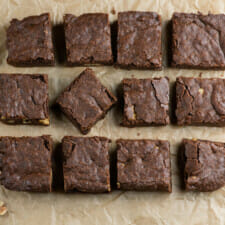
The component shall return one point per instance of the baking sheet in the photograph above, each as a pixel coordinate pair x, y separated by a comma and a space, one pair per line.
118, 207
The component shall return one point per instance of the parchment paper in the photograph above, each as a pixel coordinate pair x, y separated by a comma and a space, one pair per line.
118, 207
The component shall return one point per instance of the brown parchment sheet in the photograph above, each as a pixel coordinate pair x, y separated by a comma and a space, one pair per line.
117, 208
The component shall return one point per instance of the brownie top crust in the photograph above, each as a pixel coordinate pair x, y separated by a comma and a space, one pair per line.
88, 39
198, 40
29, 41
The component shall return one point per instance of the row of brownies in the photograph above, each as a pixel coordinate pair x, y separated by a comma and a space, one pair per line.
143, 165
197, 40
199, 101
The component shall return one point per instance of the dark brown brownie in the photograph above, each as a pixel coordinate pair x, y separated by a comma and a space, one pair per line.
198, 41
25, 163
86, 164
139, 40
143, 165
88, 39
200, 101
146, 102
86, 100
204, 164
29, 41
24, 99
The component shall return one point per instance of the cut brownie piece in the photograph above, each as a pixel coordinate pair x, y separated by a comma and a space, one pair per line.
198, 41
88, 39
200, 101
24, 99
29, 41
86, 164
25, 163
146, 102
139, 40
143, 165
204, 164
86, 100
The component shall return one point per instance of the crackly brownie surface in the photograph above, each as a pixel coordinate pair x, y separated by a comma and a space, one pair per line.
24, 98
86, 164
88, 39
29, 41
146, 101
204, 165
200, 101
86, 100
25, 163
198, 41
143, 165
139, 40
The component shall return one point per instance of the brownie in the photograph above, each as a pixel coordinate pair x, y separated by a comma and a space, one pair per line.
146, 102
88, 39
198, 41
29, 41
143, 165
24, 99
86, 164
25, 163
86, 100
200, 101
139, 40
204, 164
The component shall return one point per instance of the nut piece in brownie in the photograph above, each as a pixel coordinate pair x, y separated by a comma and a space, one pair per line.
86, 164
26, 164
86, 100
146, 102
143, 165
200, 101
88, 39
24, 99
204, 164
198, 41
29, 41
139, 40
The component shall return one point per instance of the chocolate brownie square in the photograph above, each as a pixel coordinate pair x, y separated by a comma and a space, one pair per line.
29, 41
198, 41
139, 40
26, 164
86, 164
204, 164
24, 99
146, 102
86, 100
143, 165
200, 101
88, 39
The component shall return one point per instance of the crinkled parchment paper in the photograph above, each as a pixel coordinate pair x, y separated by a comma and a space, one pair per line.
118, 207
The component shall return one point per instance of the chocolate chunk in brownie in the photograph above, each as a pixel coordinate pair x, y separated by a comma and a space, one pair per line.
200, 101
88, 39
86, 100
25, 163
143, 165
139, 40
24, 99
204, 164
29, 41
146, 102
86, 164
198, 41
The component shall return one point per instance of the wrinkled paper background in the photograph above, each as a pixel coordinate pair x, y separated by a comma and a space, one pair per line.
118, 207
